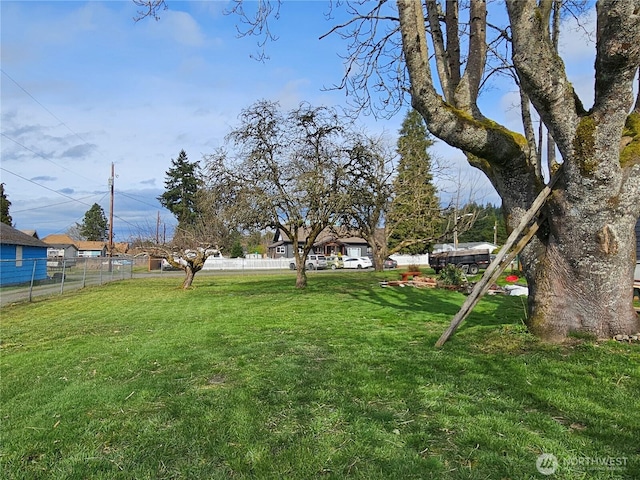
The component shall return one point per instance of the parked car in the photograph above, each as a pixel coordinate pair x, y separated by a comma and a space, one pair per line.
314, 262
390, 263
357, 262
334, 261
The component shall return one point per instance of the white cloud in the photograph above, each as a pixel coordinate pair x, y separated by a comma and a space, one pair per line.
178, 27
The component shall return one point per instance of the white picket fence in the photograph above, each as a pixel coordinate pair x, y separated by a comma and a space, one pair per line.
221, 263
404, 260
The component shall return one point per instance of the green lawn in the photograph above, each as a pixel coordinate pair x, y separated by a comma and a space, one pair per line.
246, 377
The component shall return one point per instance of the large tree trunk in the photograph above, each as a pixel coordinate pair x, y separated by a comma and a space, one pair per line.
581, 273
581, 281
580, 266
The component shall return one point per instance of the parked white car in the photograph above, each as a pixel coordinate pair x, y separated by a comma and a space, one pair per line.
358, 262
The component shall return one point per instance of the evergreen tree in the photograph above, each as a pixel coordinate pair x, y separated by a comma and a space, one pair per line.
94, 226
182, 183
4, 207
415, 209
236, 250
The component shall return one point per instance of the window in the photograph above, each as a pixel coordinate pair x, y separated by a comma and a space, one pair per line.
18, 255
281, 249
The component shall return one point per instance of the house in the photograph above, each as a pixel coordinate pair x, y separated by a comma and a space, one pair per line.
64, 247
92, 249
31, 233
120, 248
329, 242
22, 257
61, 247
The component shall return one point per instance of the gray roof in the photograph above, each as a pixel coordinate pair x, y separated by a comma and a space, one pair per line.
11, 236
31, 233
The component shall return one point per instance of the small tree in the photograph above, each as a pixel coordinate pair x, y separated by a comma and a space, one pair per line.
5, 217
236, 250
74, 232
210, 232
191, 261
94, 226
370, 169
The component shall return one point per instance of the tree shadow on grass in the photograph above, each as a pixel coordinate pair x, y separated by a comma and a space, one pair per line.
437, 303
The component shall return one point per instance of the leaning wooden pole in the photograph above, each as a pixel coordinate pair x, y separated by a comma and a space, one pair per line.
507, 253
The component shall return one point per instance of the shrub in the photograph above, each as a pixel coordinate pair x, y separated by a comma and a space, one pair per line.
451, 276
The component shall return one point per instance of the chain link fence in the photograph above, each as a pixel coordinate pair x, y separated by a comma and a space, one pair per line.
25, 279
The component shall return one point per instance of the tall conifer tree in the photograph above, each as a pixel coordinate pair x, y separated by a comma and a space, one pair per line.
182, 183
415, 209
94, 226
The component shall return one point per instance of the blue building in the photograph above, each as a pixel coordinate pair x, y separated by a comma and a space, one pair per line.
18, 254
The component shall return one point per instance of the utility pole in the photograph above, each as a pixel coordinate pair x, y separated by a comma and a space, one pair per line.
455, 226
111, 215
455, 235
158, 229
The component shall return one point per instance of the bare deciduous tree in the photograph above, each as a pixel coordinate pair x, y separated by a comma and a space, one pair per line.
286, 172
188, 251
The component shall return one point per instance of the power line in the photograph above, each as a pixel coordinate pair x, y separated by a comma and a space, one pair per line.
46, 188
45, 108
54, 163
137, 200
45, 158
60, 203
64, 168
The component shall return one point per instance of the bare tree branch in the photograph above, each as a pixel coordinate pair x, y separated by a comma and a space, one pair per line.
150, 8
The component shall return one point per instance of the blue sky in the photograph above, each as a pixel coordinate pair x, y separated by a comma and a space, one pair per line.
83, 85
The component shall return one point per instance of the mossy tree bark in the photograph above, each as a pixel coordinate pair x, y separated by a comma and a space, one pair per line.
580, 266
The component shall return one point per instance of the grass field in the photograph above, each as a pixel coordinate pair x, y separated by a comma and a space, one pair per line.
246, 377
